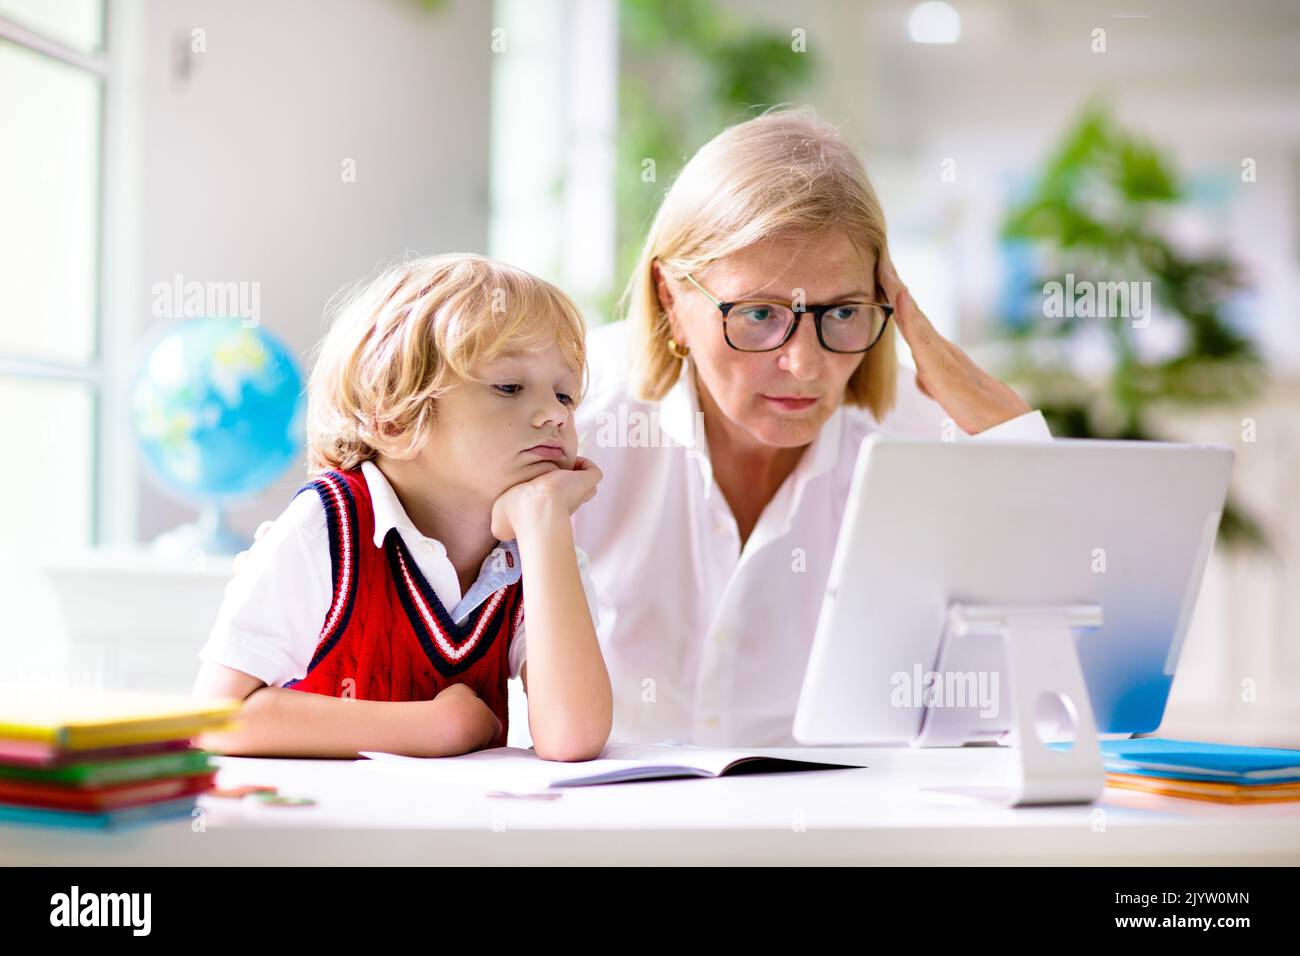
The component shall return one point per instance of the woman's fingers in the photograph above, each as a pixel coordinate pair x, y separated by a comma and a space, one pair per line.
889, 280
945, 373
926, 343
911, 321
931, 351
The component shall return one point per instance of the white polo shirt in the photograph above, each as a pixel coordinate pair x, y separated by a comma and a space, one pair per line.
705, 643
274, 607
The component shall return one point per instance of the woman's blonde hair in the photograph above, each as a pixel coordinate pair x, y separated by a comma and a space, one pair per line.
398, 342
782, 174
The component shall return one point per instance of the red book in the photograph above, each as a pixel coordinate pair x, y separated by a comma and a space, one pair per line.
36, 753
32, 794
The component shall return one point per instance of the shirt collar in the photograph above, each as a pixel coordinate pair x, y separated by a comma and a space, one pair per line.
502, 565
679, 411
825, 450
682, 421
390, 514
388, 509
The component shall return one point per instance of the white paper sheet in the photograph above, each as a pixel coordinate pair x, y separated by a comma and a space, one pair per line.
513, 770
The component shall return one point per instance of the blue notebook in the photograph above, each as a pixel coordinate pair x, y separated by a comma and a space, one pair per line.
1190, 760
109, 820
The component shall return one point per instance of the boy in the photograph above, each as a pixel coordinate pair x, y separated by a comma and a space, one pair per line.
384, 609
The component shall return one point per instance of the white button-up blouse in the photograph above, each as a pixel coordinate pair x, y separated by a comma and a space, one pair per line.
706, 642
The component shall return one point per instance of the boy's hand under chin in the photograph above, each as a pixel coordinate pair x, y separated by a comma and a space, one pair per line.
545, 495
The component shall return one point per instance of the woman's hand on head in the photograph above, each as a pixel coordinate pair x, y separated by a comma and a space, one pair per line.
560, 488
975, 400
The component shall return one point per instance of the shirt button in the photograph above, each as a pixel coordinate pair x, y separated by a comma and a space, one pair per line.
426, 546
711, 722
720, 637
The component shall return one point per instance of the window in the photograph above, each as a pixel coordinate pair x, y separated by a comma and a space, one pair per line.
53, 72
553, 119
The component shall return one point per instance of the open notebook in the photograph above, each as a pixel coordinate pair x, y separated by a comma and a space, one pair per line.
515, 770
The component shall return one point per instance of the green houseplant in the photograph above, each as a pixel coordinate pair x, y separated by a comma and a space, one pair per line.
688, 69
1098, 213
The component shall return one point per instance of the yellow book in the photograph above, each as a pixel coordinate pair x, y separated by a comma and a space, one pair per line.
86, 719
1206, 790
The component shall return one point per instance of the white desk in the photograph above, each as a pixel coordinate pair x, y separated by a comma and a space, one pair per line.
862, 816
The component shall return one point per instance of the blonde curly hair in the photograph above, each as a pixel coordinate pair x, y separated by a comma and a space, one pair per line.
398, 342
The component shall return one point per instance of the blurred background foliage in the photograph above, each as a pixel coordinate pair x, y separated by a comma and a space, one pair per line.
688, 69
1100, 209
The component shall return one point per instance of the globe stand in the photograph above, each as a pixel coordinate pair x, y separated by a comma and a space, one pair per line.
208, 535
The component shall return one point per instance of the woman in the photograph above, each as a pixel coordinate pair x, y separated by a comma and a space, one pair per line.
727, 421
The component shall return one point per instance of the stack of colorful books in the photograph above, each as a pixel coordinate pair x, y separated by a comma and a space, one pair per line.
1202, 771
103, 758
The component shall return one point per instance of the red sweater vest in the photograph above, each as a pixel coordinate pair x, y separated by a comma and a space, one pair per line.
387, 636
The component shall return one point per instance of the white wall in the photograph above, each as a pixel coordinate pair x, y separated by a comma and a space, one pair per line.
240, 151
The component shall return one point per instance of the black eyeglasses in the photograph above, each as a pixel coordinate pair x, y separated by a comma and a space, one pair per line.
760, 325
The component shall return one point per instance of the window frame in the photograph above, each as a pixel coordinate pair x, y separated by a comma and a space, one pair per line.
91, 375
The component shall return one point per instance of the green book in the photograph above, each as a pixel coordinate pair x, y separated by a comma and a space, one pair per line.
101, 773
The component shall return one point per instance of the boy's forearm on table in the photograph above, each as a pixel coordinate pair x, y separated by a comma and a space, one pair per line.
570, 705
278, 722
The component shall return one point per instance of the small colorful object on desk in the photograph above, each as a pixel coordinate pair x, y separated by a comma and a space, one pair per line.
238, 793
103, 758
279, 800
269, 796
